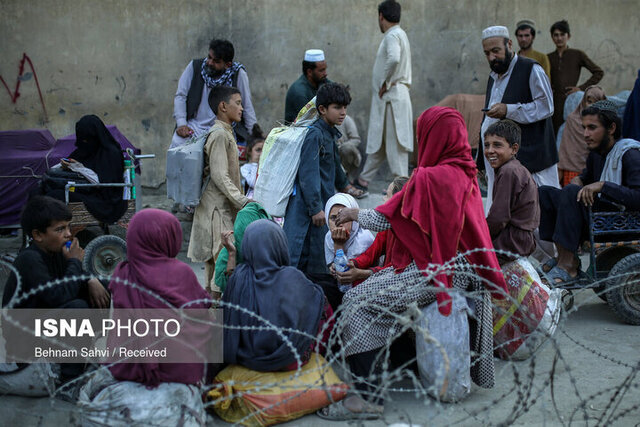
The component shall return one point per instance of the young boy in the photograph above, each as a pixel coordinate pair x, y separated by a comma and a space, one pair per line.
46, 221
223, 197
319, 174
515, 212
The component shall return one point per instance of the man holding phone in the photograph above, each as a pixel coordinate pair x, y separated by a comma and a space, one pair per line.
518, 89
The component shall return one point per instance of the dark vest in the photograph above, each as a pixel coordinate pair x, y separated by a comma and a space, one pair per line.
194, 96
538, 145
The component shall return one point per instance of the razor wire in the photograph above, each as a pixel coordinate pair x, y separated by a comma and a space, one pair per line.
523, 388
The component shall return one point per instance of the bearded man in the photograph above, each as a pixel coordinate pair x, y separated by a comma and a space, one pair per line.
518, 89
191, 108
314, 74
610, 180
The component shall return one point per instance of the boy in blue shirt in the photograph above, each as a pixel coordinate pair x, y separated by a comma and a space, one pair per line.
319, 174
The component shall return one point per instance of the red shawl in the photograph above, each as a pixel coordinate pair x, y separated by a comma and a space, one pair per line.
439, 211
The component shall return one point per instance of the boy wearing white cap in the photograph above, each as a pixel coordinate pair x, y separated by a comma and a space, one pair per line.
314, 73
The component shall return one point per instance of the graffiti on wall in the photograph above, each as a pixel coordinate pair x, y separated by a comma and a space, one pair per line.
22, 76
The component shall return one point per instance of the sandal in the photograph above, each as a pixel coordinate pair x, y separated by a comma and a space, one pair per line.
558, 276
338, 412
548, 265
357, 192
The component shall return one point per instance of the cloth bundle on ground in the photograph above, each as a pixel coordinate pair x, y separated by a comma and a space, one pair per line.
104, 401
185, 164
434, 224
156, 279
250, 213
443, 351
278, 296
280, 160
99, 151
260, 399
34, 380
359, 238
524, 321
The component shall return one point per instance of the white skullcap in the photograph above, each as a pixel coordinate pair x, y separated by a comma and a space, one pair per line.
495, 31
314, 55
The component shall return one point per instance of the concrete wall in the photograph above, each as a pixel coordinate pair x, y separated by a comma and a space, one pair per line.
121, 59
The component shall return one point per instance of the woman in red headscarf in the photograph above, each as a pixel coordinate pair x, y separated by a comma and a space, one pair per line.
436, 216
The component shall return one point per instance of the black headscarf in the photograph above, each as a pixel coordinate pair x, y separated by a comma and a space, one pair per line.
266, 285
98, 150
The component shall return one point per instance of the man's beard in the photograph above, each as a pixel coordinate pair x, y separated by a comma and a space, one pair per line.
319, 82
603, 147
526, 47
212, 72
501, 66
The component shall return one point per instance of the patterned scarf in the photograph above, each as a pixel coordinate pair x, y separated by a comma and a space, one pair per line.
225, 79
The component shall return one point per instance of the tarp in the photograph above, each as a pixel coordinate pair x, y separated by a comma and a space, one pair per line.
26, 155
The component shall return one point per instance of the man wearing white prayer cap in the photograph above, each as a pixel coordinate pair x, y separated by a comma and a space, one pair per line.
314, 73
518, 89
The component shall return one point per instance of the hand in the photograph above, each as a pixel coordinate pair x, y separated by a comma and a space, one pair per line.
318, 219
184, 131
571, 89
497, 111
66, 164
98, 295
339, 236
353, 274
74, 251
383, 90
228, 241
587, 194
347, 214
332, 270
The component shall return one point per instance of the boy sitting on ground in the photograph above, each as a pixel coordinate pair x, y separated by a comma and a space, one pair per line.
515, 212
46, 220
223, 196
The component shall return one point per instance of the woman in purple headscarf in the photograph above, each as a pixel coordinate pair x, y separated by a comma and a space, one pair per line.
154, 238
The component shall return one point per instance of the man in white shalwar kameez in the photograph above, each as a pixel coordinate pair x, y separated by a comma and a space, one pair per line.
390, 134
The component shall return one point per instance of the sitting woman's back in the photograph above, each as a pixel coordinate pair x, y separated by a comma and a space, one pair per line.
267, 286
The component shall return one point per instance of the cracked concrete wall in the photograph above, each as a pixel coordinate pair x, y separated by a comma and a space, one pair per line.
121, 59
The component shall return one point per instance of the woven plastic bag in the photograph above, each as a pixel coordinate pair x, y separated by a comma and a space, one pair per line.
34, 380
104, 401
280, 160
525, 319
185, 165
254, 398
443, 351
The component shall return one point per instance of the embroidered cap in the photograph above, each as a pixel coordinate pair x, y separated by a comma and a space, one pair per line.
528, 22
495, 31
605, 105
314, 55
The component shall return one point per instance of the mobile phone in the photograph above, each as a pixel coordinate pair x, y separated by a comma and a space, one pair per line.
485, 109
65, 159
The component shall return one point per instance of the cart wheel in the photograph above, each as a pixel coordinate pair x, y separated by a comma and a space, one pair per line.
567, 299
102, 255
623, 291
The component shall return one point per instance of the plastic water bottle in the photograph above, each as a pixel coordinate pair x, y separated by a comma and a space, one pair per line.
340, 264
340, 261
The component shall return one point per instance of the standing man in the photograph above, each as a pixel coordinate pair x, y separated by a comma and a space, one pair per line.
526, 34
314, 73
519, 90
190, 105
566, 64
390, 133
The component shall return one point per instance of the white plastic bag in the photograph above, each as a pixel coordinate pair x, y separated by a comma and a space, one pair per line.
185, 165
443, 351
280, 161
106, 401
